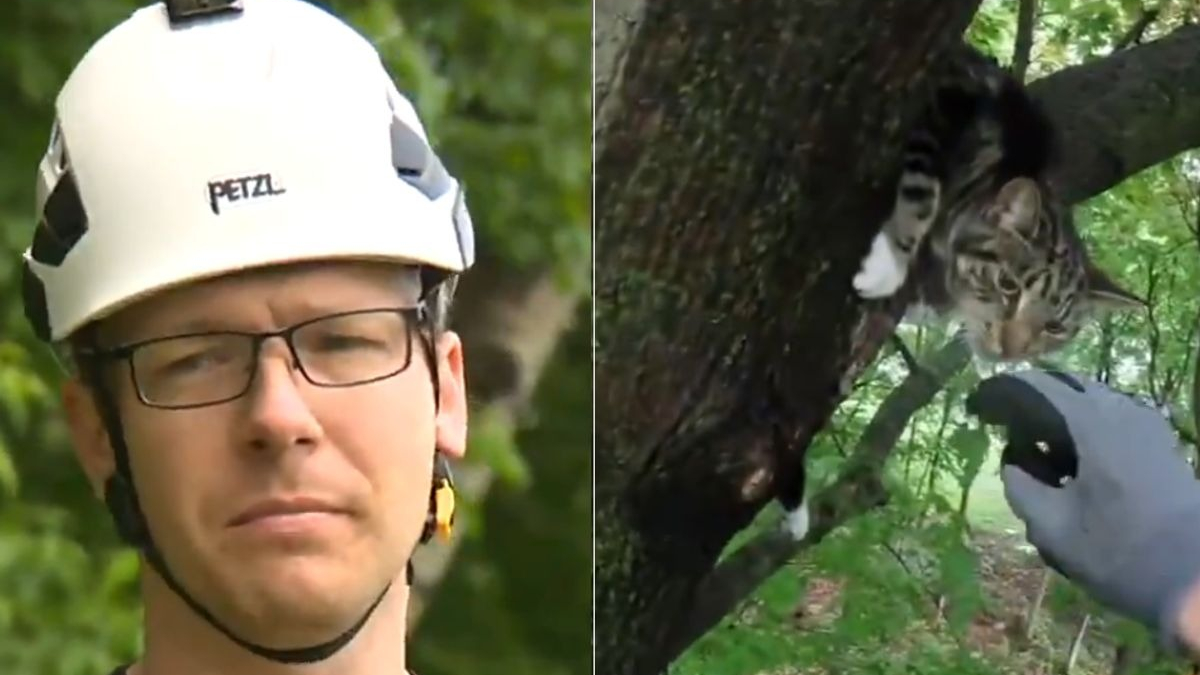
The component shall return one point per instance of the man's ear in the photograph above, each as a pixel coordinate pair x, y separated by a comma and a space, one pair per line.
452, 396
90, 439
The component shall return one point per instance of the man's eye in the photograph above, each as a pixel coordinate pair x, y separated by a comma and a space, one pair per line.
191, 363
343, 342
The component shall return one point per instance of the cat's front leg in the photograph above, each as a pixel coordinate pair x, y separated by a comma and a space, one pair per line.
882, 271
885, 267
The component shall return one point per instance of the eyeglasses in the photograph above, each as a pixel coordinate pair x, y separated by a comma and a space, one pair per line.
201, 369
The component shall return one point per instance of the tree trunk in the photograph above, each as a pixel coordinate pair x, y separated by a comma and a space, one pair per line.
746, 154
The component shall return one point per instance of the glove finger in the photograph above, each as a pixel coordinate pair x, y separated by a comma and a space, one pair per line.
1044, 509
1030, 402
1053, 563
1049, 462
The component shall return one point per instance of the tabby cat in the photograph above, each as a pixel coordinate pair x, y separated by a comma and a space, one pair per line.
978, 228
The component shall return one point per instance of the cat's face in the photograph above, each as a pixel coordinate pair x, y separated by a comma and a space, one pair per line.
1022, 287
1027, 326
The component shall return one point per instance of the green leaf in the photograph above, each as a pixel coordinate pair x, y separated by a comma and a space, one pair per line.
9, 481
971, 446
960, 582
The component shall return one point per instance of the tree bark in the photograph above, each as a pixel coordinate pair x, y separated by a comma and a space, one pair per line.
744, 161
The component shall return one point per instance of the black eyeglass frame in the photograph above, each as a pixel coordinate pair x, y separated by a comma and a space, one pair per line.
415, 317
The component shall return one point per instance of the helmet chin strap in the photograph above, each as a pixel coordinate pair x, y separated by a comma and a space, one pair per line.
121, 497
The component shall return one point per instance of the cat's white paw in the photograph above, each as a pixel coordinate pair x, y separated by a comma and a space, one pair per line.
795, 523
882, 273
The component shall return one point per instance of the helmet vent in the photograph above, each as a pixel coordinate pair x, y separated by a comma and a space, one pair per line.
62, 224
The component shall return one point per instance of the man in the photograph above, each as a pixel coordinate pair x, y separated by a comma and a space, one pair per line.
1106, 497
246, 253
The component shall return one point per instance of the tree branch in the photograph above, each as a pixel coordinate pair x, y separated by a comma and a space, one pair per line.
1023, 47
905, 353
1104, 352
934, 598
1138, 29
1196, 389
930, 479
1183, 425
1187, 340
857, 490
1155, 337
1140, 110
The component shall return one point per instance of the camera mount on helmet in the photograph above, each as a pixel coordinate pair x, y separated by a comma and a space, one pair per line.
183, 11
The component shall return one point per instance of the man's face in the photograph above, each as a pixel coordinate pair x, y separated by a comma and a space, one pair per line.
364, 452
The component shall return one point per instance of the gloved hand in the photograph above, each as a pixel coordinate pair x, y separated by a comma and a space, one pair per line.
1126, 525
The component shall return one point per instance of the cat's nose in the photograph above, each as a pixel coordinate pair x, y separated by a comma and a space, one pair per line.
1014, 340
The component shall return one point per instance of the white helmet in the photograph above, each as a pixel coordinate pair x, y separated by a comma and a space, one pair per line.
254, 135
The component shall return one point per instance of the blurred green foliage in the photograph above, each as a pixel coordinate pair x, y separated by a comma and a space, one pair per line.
506, 572
504, 88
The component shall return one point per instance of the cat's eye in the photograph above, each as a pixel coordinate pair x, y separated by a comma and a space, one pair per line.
1007, 284
1055, 328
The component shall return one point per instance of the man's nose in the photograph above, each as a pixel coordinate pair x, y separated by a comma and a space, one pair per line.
279, 415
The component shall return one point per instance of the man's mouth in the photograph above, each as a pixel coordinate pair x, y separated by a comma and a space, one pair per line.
285, 506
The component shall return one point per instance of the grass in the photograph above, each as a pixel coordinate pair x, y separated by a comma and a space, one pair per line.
987, 508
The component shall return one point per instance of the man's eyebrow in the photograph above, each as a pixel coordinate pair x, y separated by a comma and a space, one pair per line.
212, 320
184, 325
204, 324
123, 338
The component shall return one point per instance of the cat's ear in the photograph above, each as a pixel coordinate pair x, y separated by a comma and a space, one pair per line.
1105, 294
1017, 205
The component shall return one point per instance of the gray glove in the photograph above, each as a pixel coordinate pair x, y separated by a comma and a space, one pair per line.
1126, 525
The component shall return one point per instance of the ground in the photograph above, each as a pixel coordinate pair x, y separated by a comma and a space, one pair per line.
794, 625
